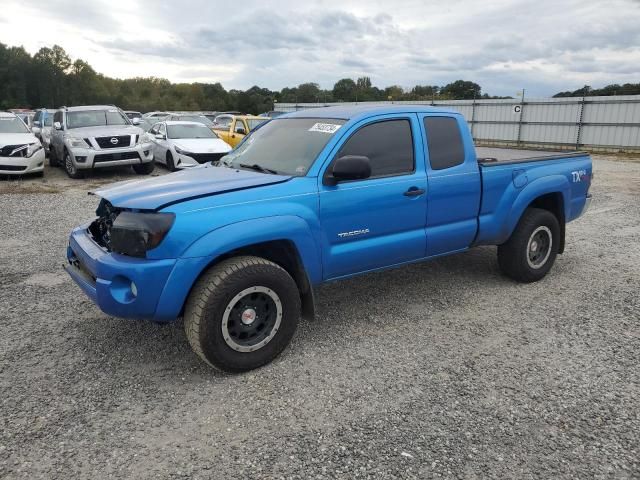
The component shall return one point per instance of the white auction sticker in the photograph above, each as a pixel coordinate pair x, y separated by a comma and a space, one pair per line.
325, 127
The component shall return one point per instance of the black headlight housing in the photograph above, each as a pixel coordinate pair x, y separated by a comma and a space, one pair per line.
134, 233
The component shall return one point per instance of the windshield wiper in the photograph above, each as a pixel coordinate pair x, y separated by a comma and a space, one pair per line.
258, 168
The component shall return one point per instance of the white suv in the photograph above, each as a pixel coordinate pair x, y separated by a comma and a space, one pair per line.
20, 151
98, 136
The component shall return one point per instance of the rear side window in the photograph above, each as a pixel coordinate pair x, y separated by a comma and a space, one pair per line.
388, 144
444, 141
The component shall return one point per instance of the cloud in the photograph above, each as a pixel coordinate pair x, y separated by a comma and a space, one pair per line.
503, 45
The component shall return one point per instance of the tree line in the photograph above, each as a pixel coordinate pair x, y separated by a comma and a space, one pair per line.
50, 78
613, 89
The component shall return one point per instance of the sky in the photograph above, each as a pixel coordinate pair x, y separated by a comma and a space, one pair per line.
543, 46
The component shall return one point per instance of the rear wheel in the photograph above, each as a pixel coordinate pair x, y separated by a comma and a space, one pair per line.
242, 313
70, 168
144, 168
531, 250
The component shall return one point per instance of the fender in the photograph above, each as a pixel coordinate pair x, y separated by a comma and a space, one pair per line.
497, 228
216, 243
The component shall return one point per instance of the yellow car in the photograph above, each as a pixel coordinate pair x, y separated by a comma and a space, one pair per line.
233, 128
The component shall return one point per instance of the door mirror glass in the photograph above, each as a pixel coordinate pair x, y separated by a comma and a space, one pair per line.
351, 167
57, 125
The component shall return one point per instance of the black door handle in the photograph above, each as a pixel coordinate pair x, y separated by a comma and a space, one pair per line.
414, 192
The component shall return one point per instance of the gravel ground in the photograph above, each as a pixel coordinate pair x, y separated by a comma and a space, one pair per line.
443, 369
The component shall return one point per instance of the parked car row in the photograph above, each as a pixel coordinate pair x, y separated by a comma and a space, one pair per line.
82, 138
183, 144
20, 151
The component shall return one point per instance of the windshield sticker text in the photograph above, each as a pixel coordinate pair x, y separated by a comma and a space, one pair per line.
325, 127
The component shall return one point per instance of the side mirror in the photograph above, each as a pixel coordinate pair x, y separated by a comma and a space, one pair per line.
241, 131
349, 167
37, 123
57, 125
159, 136
136, 121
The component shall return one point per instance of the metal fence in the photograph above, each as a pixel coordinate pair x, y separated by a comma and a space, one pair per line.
610, 124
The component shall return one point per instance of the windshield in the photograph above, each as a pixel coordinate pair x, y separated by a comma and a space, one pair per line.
95, 118
254, 122
288, 146
189, 131
12, 125
195, 118
223, 121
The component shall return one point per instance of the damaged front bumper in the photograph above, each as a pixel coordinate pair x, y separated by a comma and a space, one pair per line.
22, 165
120, 285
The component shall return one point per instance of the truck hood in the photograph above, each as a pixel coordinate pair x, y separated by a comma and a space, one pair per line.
17, 139
159, 192
105, 131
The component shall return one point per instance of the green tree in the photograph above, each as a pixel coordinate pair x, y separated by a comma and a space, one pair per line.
345, 90
461, 90
394, 92
308, 93
15, 70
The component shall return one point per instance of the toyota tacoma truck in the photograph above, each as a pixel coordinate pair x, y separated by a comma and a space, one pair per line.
98, 136
311, 197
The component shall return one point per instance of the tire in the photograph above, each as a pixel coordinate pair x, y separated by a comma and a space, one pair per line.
531, 250
53, 158
70, 168
169, 162
228, 293
144, 168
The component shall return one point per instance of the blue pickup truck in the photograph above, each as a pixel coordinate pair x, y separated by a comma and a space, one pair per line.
315, 196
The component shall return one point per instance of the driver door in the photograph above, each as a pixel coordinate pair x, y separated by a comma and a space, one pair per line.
238, 131
159, 150
378, 221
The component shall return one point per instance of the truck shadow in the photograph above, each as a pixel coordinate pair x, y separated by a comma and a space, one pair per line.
161, 350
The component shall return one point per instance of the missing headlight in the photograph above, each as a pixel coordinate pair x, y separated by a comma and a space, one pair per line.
134, 233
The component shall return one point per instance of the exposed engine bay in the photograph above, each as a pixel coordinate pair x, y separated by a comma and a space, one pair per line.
100, 228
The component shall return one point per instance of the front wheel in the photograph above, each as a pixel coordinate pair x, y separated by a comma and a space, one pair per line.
70, 167
531, 250
169, 162
242, 313
144, 168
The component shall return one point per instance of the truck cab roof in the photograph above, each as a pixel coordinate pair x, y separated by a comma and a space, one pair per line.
351, 112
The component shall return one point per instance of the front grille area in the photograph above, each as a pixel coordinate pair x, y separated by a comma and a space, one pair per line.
7, 150
12, 168
112, 157
105, 142
207, 157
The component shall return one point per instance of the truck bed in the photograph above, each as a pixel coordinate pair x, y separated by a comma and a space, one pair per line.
488, 156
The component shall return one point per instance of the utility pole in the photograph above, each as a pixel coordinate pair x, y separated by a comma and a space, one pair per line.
473, 111
520, 117
585, 92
